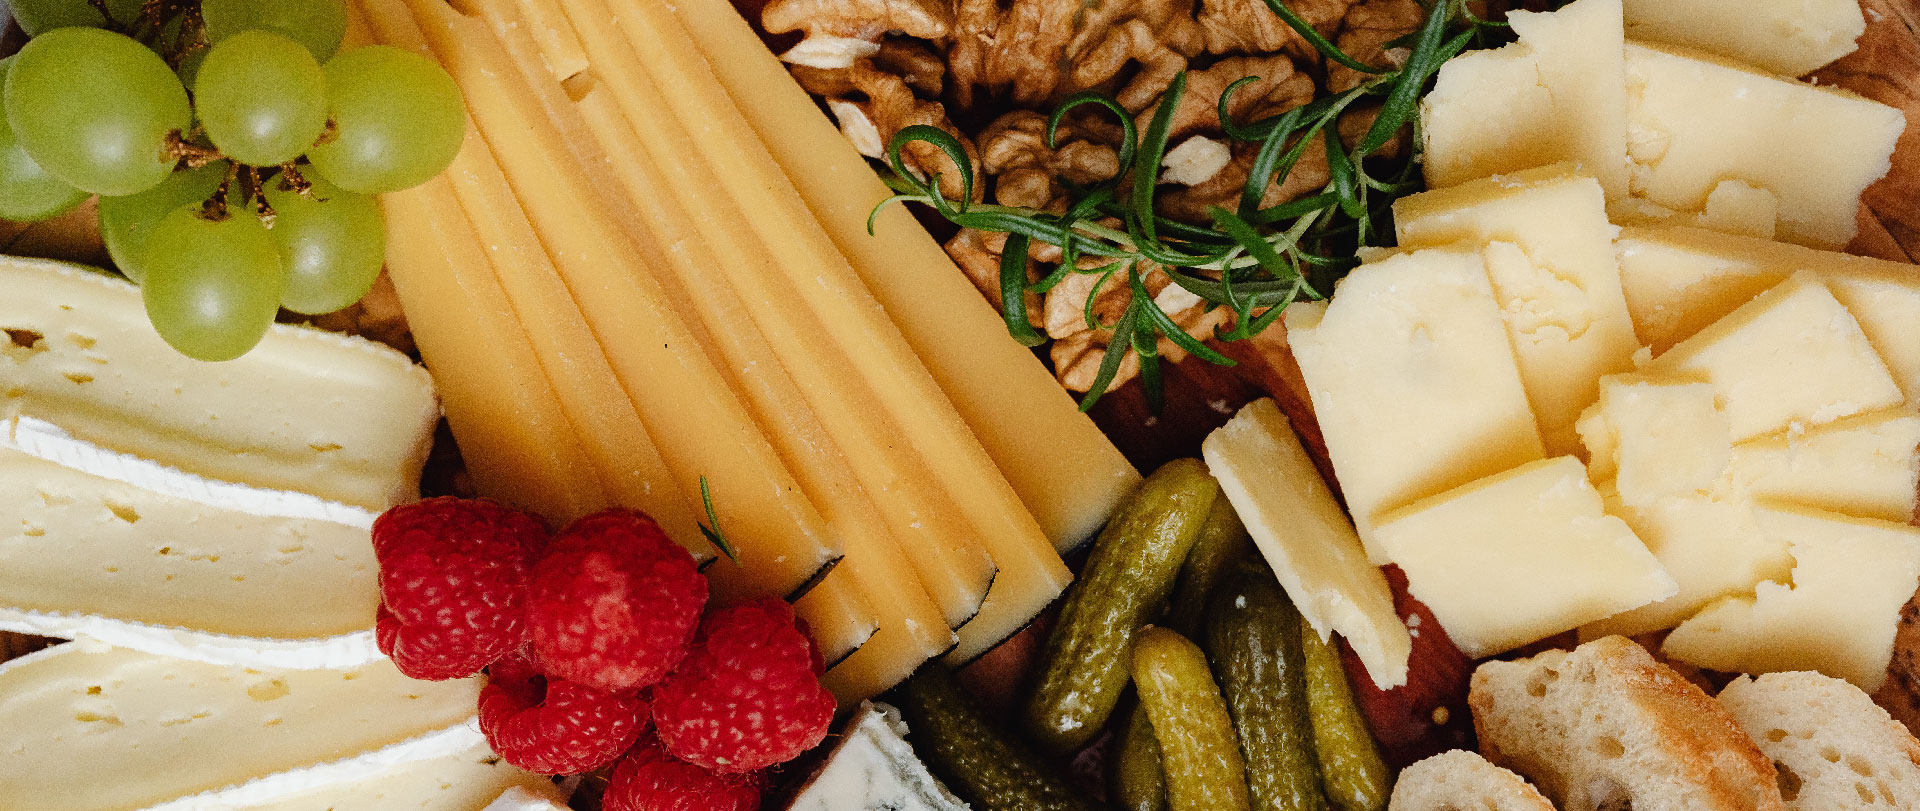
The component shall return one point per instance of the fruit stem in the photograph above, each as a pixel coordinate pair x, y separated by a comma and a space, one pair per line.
291, 180
180, 148
256, 191
215, 208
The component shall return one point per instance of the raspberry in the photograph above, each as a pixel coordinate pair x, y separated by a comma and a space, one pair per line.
748, 696
551, 726
453, 583
649, 779
614, 603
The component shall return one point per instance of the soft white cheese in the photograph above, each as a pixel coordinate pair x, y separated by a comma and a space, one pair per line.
873, 768
472, 779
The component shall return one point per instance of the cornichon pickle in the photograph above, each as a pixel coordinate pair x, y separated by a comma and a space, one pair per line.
1356, 778
988, 769
1083, 667
1253, 643
1198, 749
1223, 541
1139, 784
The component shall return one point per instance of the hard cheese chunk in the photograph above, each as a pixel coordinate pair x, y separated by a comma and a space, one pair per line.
1553, 274
1521, 556
1692, 123
470, 780
1679, 280
1306, 538
1837, 615
172, 728
339, 417
1554, 96
873, 767
1788, 37
1656, 439
1793, 356
1710, 544
76, 543
1413, 378
1866, 466
1733, 207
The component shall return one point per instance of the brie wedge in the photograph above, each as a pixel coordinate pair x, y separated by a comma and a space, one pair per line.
471, 779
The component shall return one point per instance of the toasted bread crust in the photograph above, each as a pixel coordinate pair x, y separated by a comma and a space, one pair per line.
1462, 779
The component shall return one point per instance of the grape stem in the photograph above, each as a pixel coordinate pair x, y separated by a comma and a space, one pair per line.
215, 208
195, 155
291, 180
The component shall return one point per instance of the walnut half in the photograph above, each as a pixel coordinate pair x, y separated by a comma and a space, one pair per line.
841, 32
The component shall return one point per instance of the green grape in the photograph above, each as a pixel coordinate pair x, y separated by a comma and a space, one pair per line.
37, 17
261, 98
332, 243
317, 24
189, 68
212, 288
399, 118
27, 192
126, 222
94, 108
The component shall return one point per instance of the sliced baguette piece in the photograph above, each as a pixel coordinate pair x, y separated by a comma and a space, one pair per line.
1835, 749
1606, 726
1461, 779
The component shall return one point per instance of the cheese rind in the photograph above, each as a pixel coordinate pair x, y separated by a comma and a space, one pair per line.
1413, 378
1838, 614
1788, 37
1521, 556
471, 779
1792, 356
1307, 539
1554, 96
342, 418
1695, 122
175, 728
1867, 466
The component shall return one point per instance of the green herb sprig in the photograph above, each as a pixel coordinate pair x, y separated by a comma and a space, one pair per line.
1254, 260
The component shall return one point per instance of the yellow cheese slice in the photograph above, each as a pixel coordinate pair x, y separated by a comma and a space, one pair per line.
1657, 438
1521, 556
1414, 381
839, 616
1865, 466
1712, 547
1030, 571
1788, 37
560, 46
1550, 258
702, 430
1067, 473
1307, 539
1837, 615
1792, 356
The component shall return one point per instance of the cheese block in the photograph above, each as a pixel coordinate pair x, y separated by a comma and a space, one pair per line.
1554, 96
1679, 280
1069, 475
472, 779
1710, 544
1521, 556
1792, 356
1693, 122
1414, 381
341, 418
1788, 37
1307, 538
1554, 276
873, 768
1656, 438
1866, 466
140, 555
1836, 615
173, 729
1733, 207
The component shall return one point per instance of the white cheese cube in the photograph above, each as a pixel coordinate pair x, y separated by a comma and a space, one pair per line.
1693, 123
1656, 438
1866, 466
1554, 96
1414, 381
1837, 615
469, 780
1521, 556
873, 768
1710, 545
1307, 538
172, 728
1550, 259
1788, 37
1792, 355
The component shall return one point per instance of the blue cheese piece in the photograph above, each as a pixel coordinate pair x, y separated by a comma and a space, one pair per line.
874, 769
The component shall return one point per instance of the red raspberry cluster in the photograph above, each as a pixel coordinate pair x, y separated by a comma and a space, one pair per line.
596, 651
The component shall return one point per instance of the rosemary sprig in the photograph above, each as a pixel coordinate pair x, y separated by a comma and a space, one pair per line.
1254, 260
711, 529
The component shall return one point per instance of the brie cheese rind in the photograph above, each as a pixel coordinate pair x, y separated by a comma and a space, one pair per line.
523, 799
472, 778
189, 735
343, 418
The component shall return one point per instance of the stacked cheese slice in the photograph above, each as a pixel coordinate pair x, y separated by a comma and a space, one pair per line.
639, 286
1710, 431
202, 530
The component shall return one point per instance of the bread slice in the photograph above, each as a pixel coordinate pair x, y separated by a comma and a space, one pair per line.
1460, 779
1607, 727
1834, 748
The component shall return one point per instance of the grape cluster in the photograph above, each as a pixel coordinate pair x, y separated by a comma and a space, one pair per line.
234, 147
